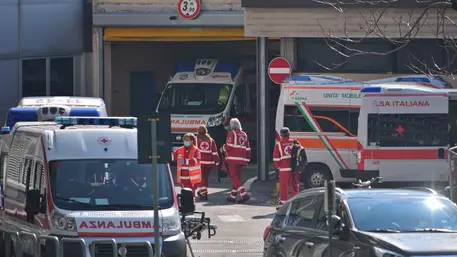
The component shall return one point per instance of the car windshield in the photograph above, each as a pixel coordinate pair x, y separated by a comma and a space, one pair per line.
403, 213
102, 184
198, 98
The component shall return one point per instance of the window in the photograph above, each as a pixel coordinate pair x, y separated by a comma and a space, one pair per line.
239, 100
98, 183
204, 98
369, 62
341, 120
321, 221
61, 75
411, 130
34, 77
28, 174
314, 51
419, 52
302, 212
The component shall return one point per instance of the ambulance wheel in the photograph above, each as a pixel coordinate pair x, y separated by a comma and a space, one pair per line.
315, 175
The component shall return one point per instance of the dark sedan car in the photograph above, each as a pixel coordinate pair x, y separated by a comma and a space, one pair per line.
372, 223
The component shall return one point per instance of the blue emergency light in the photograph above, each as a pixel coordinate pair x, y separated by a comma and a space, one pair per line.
112, 121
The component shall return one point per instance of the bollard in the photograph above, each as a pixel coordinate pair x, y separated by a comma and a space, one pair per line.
112, 242
34, 247
72, 240
50, 238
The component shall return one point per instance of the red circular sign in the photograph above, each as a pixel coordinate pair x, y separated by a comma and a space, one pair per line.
279, 69
189, 9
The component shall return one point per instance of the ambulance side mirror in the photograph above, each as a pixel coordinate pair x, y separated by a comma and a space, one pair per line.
186, 201
32, 202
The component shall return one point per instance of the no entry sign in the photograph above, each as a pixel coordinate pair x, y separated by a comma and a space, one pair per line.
279, 69
189, 9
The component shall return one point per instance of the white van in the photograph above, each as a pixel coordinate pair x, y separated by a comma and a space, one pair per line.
210, 92
321, 113
404, 133
46, 108
67, 179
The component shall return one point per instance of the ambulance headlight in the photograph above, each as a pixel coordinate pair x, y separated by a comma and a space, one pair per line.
171, 223
215, 120
63, 223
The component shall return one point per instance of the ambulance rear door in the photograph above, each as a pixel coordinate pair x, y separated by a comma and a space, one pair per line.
412, 130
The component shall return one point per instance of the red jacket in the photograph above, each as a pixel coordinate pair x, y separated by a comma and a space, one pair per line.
281, 154
189, 162
237, 149
209, 154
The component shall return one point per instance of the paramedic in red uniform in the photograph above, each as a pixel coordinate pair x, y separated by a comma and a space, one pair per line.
209, 159
282, 161
188, 163
237, 151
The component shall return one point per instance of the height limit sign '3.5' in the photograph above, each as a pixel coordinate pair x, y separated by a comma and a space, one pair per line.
279, 69
189, 9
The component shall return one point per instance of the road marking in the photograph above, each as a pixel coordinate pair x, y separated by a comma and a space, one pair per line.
230, 218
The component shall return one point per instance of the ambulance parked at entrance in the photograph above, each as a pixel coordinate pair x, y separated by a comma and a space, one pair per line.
322, 112
209, 92
48, 107
79, 177
404, 132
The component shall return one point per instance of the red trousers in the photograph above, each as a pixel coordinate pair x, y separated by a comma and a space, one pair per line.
235, 171
286, 179
205, 178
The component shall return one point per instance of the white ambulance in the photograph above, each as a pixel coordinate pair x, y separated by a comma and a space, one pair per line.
322, 113
46, 108
209, 92
404, 132
72, 180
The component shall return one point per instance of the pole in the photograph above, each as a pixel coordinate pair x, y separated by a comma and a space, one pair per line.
101, 62
155, 186
262, 163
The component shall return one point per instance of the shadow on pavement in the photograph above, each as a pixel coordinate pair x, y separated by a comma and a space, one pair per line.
266, 216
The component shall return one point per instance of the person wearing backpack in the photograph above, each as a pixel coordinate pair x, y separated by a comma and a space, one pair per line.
288, 166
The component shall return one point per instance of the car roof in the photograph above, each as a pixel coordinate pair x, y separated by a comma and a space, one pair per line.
373, 192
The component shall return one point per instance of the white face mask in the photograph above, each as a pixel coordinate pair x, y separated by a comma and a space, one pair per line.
187, 143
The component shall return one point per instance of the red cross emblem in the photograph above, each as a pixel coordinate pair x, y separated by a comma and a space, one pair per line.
104, 140
287, 150
242, 140
400, 130
204, 145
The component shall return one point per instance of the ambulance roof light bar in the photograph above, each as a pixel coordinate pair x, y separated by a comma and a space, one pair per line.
125, 122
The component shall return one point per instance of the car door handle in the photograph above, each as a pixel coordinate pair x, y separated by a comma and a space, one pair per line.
281, 239
309, 244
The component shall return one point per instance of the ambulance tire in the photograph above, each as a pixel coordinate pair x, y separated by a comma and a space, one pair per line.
315, 175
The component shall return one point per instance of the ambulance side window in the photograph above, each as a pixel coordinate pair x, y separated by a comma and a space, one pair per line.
239, 101
39, 177
27, 174
408, 130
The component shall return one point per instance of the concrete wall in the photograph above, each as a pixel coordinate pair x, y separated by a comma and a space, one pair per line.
353, 22
35, 28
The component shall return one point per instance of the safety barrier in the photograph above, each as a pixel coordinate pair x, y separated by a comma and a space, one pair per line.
24, 244
452, 156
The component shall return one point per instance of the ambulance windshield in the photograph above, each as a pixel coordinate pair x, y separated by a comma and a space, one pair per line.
195, 98
107, 184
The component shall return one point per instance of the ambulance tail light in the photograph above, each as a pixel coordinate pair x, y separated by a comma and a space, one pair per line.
217, 120
63, 223
112, 121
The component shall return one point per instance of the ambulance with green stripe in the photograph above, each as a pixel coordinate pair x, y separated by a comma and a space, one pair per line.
404, 133
322, 113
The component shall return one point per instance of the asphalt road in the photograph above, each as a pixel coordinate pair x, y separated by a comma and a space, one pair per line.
240, 226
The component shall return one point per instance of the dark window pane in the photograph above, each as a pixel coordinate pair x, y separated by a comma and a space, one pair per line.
338, 120
302, 212
418, 53
369, 62
34, 77
62, 76
409, 130
311, 51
